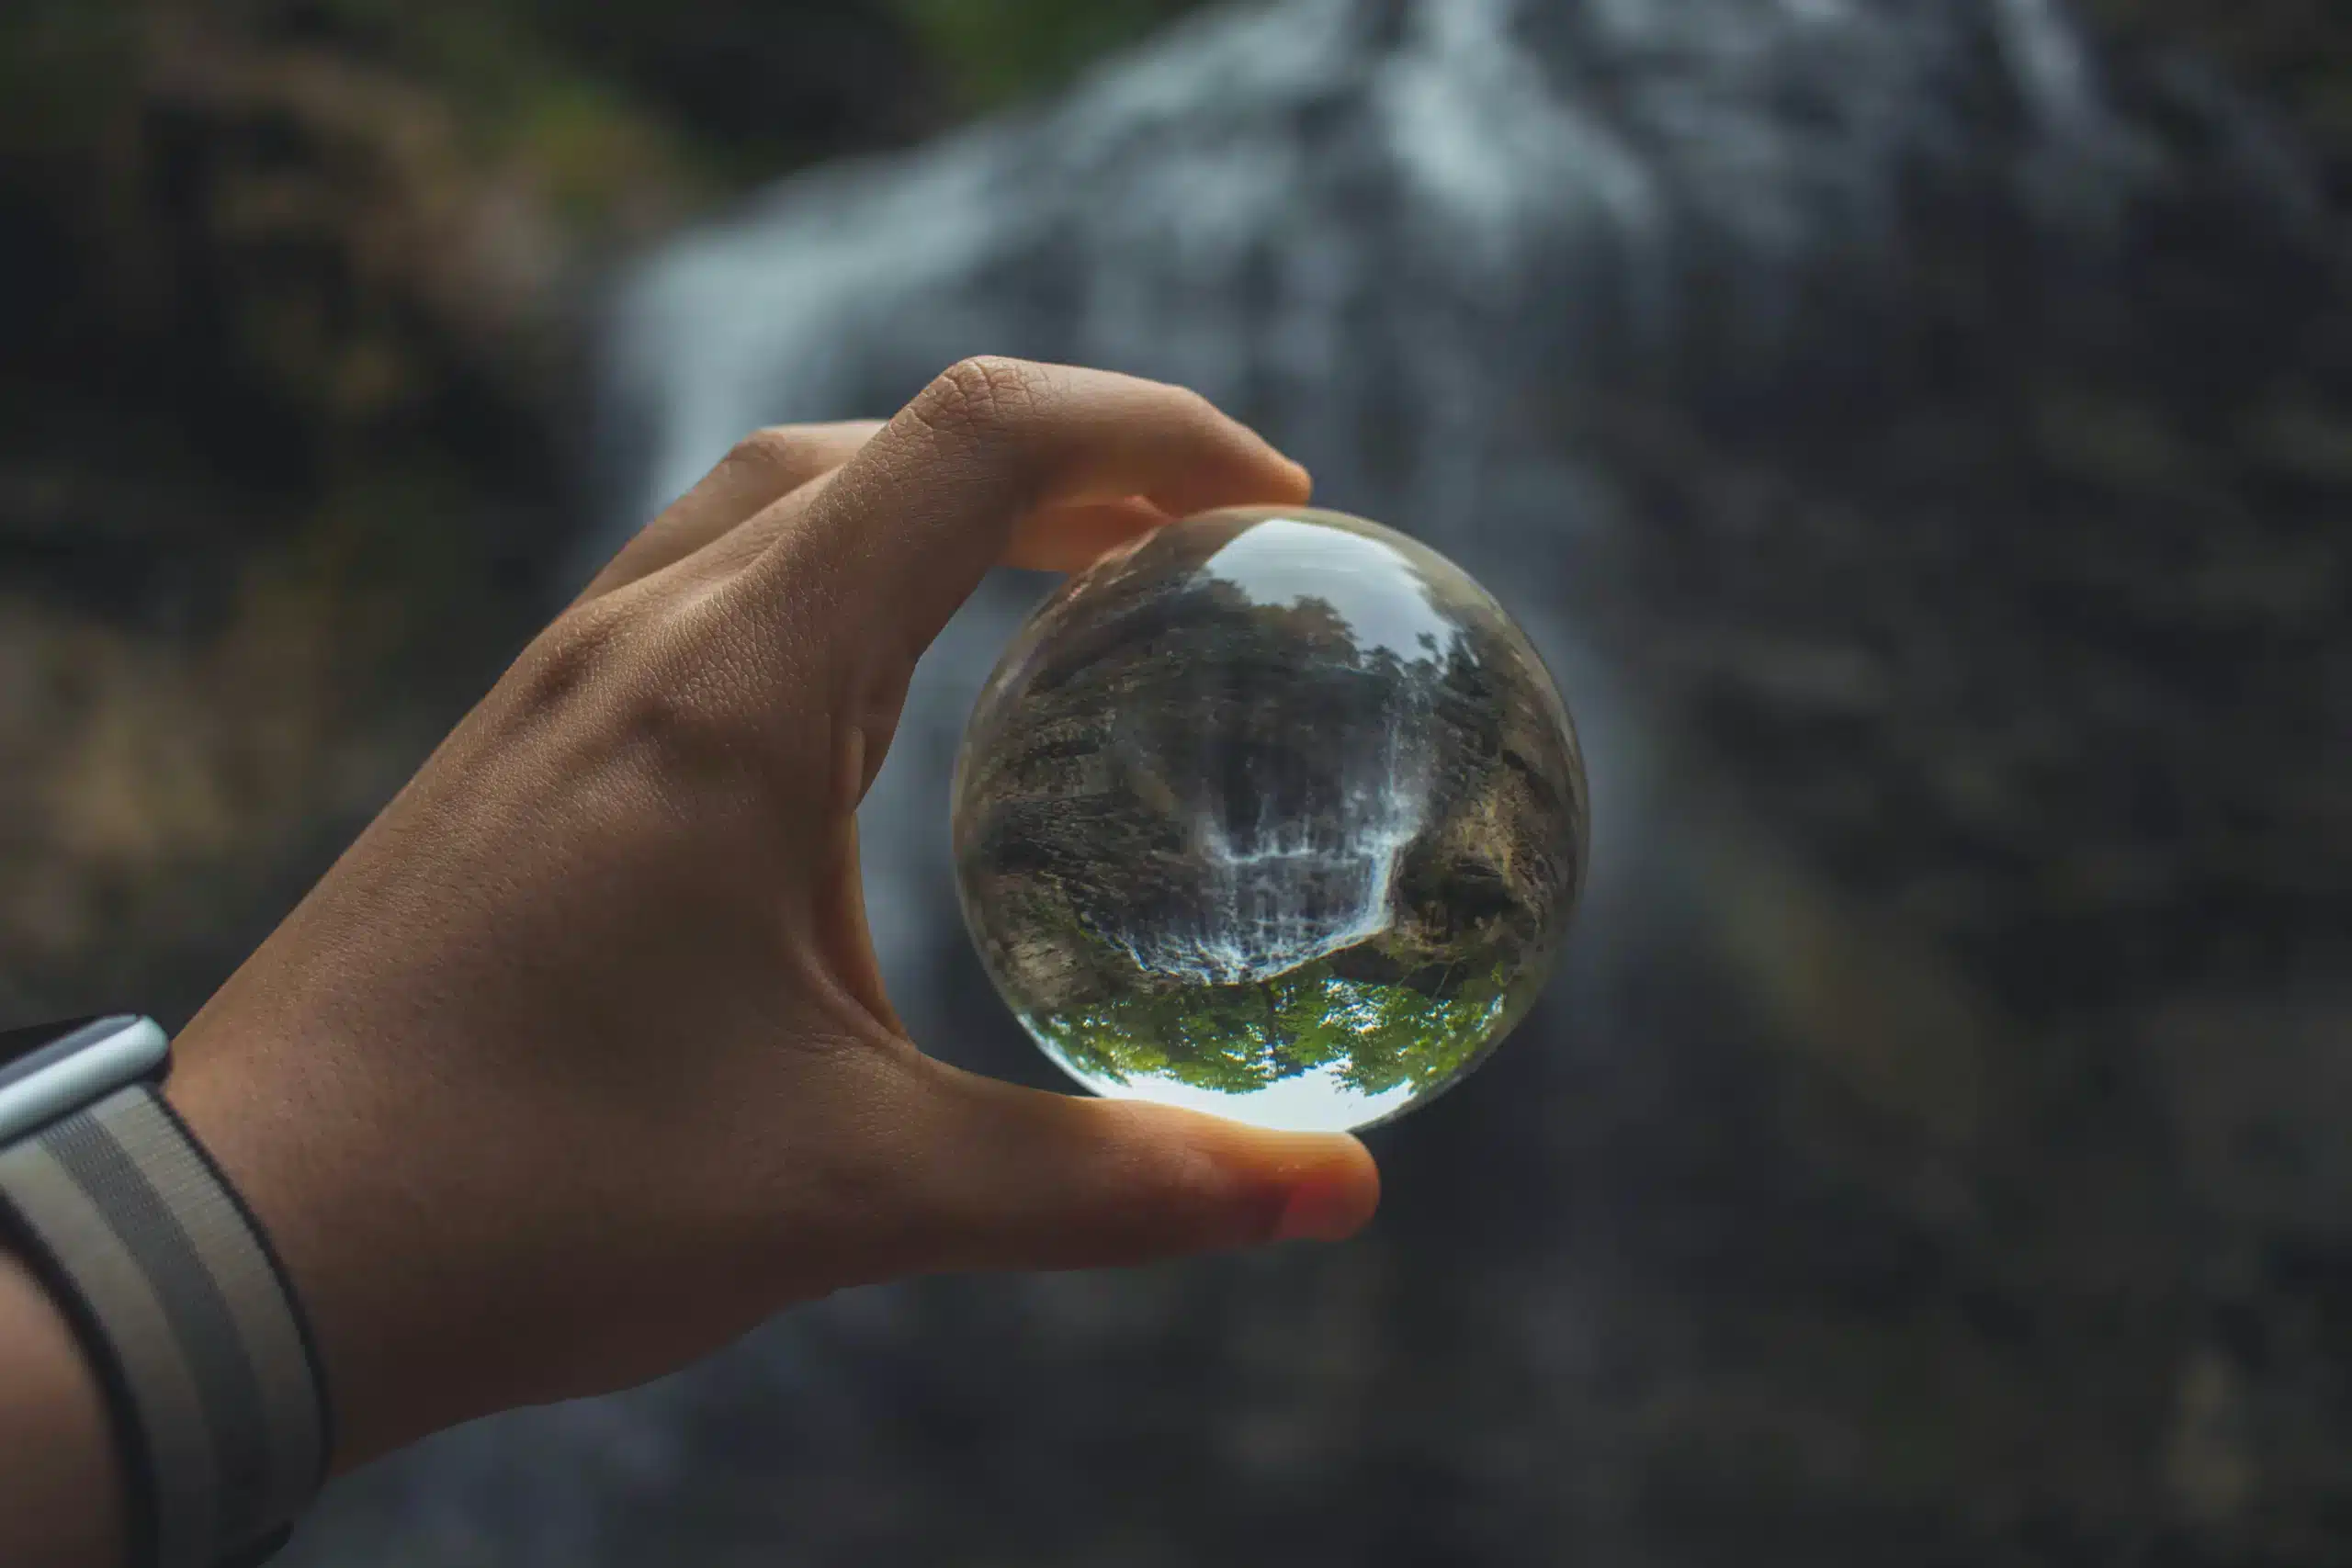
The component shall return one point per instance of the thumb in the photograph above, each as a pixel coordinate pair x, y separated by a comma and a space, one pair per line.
1014, 1177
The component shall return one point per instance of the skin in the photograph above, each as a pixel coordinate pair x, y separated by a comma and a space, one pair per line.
578, 1064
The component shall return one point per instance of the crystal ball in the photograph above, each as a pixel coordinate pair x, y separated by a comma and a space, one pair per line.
1274, 813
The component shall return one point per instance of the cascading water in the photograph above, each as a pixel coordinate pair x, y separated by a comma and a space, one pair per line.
1817, 380
1283, 886
1278, 901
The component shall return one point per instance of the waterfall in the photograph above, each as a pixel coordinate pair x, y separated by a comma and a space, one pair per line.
1276, 900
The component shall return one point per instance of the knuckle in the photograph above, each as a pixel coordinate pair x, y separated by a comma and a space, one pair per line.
773, 447
1197, 1192
677, 725
620, 691
1194, 407
686, 717
571, 658
983, 394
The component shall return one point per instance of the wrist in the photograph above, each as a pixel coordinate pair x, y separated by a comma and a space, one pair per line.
343, 1181
61, 1498
178, 1314
244, 1131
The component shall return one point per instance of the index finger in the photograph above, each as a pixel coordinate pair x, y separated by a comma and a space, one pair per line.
910, 524
765, 466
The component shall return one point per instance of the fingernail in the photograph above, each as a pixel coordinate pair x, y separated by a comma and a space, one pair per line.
1319, 1211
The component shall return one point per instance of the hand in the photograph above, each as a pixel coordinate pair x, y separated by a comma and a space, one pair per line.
578, 1064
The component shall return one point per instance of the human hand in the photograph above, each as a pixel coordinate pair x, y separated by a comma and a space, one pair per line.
577, 1063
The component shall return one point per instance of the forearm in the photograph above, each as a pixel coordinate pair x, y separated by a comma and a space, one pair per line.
60, 1495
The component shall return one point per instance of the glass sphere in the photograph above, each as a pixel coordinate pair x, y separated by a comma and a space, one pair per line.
1274, 813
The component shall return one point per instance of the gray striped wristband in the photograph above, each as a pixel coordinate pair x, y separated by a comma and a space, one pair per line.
220, 1409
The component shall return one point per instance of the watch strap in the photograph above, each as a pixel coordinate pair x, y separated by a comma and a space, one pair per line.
220, 1405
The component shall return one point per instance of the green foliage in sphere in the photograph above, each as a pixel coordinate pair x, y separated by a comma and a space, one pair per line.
1238, 1039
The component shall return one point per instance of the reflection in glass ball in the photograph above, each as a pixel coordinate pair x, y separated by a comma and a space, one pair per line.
1273, 813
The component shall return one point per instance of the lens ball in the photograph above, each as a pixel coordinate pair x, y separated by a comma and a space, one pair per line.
1274, 813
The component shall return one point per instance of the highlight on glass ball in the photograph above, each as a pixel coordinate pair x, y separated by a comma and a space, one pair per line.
1274, 813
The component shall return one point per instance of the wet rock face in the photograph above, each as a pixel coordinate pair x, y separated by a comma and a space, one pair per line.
1915, 438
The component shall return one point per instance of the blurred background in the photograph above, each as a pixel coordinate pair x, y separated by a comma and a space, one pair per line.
1917, 431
